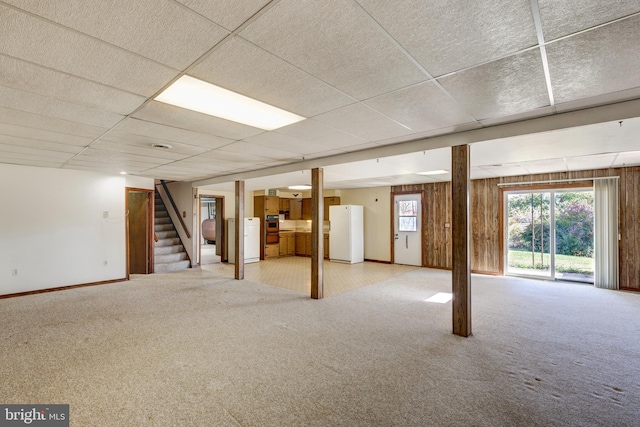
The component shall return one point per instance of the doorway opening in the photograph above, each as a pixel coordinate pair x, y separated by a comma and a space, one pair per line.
139, 206
212, 238
550, 233
407, 229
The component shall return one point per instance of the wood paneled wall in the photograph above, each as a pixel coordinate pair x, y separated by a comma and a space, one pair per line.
486, 228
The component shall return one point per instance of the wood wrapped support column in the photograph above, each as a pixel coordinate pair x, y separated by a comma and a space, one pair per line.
317, 233
238, 232
461, 240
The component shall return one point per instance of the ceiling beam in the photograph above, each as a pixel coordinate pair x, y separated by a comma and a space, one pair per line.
583, 117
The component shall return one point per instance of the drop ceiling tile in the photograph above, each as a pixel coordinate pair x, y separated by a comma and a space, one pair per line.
144, 142
630, 158
480, 173
598, 161
445, 36
595, 101
28, 77
161, 30
364, 122
246, 69
103, 156
560, 18
501, 88
37, 121
229, 14
422, 107
531, 114
29, 161
103, 168
41, 145
244, 151
49, 154
336, 42
596, 62
545, 166
323, 136
44, 135
170, 133
177, 117
284, 145
506, 170
79, 55
48, 107
143, 151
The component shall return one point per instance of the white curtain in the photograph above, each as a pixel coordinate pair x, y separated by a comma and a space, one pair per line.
606, 233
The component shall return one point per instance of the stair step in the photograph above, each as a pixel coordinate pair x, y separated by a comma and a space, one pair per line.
171, 266
165, 220
163, 227
169, 249
169, 234
168, 242
161, 213
175, 257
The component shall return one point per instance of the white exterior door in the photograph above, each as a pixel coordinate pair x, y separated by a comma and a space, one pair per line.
407, 229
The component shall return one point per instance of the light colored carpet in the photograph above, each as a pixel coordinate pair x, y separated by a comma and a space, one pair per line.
196, 349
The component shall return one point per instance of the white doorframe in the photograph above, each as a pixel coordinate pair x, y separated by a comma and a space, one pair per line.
407, 229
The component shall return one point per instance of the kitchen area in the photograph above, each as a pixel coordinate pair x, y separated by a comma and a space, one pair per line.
286, 228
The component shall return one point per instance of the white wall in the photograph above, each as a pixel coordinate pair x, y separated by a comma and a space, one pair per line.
377, 224
52, 229
139, 182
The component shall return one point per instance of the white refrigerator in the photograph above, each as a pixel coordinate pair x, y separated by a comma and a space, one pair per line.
346, 233
251, 240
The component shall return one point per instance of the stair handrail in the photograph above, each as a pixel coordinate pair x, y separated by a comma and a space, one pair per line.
175, 208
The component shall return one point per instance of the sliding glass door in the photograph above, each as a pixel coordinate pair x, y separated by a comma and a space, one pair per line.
549, 234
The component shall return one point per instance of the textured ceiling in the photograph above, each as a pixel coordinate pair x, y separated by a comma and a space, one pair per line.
77, 82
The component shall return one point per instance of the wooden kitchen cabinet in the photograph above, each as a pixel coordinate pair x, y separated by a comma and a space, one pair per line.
306, 208
272, 250
329, 201
295, 209
266, 205
284, 205
287, 244
326, 246
303, 244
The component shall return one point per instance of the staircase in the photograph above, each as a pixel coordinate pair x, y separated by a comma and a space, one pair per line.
169, 254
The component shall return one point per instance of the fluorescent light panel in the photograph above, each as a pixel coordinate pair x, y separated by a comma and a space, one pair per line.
197, 95
436, 172
299, 187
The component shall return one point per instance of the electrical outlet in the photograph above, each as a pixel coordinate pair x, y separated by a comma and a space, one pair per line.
14, 272
105, 214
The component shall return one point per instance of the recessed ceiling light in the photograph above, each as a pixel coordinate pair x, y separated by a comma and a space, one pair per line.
197, 95
162, 146
299, 187
436, 172
123, 173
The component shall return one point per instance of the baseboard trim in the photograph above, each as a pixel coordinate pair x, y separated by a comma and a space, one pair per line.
61, 288
377, 260
630, 289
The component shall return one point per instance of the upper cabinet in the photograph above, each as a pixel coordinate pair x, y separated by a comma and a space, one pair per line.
295, 209
306, 208
266, 205
329, 201
284, 205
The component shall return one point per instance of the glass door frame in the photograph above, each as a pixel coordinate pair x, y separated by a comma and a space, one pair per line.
552, 190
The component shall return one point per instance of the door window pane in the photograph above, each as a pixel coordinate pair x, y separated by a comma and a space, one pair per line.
407, 215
